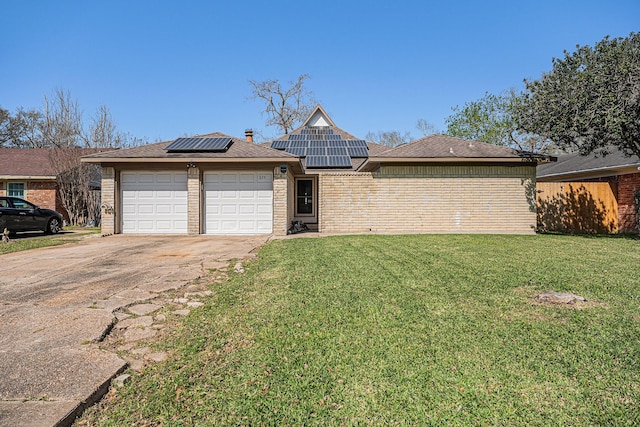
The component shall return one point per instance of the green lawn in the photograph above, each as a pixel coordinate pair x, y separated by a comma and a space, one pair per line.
404, 330
28, 241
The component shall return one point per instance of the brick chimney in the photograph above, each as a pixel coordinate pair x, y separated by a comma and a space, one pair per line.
248, 133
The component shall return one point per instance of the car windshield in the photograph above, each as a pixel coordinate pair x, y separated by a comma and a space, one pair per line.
22, 204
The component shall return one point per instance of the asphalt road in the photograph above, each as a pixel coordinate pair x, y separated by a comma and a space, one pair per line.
53, 301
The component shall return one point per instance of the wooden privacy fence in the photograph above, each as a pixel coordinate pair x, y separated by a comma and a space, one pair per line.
577, 207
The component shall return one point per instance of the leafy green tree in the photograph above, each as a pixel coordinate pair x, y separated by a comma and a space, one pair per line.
491, 119
590, 100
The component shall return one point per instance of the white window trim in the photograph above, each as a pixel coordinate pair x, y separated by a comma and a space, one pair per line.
24, 188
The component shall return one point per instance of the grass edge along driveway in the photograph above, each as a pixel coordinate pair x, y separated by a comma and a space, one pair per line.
404, 330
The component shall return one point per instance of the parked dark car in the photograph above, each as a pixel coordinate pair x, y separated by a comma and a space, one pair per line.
19, 215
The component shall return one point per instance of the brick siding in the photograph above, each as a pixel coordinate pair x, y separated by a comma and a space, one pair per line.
627, 185
41, 193
108, 202
282, 184
193, 200
429, 199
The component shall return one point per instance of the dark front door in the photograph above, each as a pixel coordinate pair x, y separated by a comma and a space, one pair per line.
304, 197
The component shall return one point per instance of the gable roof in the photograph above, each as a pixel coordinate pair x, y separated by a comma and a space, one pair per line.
318, 117
443, 148
593, 165
240, 150
26, 163
336, 130
320, 128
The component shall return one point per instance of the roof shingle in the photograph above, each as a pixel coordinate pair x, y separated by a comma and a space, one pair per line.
442, 146
240, 149
26, 162
575, 163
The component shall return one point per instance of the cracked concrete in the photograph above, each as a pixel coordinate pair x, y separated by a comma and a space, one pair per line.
57, 303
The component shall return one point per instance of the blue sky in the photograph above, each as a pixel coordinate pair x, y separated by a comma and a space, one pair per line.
169, 68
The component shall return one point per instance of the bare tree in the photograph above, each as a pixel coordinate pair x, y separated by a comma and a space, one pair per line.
390, 138
425, 127
285, 107
21, 130
60, 126
77, 184
103, 132
5, 118
62, 129
62, 121
26, 129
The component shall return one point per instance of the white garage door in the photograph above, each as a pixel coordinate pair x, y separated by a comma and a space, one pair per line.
238, 202
154, 202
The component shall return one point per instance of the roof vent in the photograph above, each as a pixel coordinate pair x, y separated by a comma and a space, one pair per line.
450, 150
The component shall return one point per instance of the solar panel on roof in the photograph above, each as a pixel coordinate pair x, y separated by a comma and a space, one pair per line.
299, 144
328, 162
356, 143
200, 144
339, 161
337, 143
280, 145
337, 151
317, 161
297, 151
316, 151
358, 152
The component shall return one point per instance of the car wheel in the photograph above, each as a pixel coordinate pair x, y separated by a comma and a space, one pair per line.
53, 226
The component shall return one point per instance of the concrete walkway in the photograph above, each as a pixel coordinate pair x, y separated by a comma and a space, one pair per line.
56, 302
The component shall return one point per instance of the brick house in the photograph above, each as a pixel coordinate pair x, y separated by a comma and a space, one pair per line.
27, 173
321, 175
621, 173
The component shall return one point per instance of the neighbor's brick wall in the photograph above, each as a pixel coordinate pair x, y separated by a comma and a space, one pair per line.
108, 221
627, 184
429, 199
281, 185
41, 193
194, 201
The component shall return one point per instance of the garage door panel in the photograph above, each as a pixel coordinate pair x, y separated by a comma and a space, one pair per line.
229, 209
264, 210
238, 202
154, 202
265, 226
247, 209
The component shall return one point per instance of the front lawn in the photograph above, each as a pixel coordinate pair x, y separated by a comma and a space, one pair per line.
404, 330
34, 240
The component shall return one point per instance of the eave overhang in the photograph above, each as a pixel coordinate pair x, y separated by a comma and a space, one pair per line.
191, 159
373, 163
29, 177
592, 173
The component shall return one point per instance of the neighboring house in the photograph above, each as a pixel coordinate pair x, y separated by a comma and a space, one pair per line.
27, 173
592, 188
321, 175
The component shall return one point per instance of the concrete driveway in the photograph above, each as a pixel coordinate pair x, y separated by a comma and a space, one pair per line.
53, 301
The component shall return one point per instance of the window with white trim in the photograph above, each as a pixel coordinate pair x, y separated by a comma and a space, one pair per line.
15, 189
